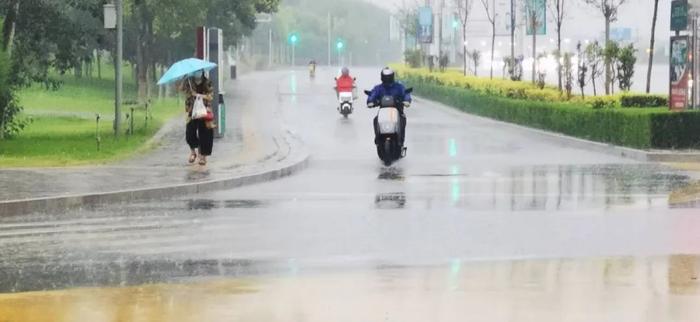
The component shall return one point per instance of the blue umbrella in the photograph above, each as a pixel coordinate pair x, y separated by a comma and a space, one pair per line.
184, 68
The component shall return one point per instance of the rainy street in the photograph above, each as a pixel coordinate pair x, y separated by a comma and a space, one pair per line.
481, 220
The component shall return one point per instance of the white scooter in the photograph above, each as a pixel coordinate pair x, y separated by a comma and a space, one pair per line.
388, 128
345, 102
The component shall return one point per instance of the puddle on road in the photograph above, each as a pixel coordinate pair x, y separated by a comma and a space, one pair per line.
209, 204
391, 173
392, 200
610, 289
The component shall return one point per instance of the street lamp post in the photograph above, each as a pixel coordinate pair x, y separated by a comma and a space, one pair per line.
113, 18
118, 69
293, 39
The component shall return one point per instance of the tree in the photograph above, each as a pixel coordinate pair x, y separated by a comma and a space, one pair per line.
556, 8
609, 10
541, 72
408, 20
651, 44
464, 8
568, 75
582, 68
534, 22
9, 25
611, 56
491, 16
594, 57
475, 56
626, 59
9, 109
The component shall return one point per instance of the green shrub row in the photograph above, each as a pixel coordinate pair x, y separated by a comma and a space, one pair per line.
632, 127
643, 100
527, 90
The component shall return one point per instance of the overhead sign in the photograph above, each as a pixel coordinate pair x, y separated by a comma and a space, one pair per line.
425, 25
679, 15
539, 8
680, 73
263, 17
621, 34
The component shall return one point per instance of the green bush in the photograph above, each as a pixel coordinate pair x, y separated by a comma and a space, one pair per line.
674, 130
638, 128
413, 57
598, 102
643, 100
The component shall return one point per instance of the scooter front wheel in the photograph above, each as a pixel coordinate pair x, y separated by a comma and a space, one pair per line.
387, 153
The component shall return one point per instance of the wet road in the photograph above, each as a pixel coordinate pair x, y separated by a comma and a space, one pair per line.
481, 220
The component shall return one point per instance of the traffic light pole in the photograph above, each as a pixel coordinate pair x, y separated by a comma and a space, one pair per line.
294, 62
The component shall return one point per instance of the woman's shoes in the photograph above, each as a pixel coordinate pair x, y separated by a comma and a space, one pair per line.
202, 160
193, 158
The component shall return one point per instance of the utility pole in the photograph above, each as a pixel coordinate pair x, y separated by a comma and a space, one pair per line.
512, 31
118, 69
442, 7
329, 38
269, 51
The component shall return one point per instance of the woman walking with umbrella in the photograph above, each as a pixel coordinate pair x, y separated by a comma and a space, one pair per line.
199, 132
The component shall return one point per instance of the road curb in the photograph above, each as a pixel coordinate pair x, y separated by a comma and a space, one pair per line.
50, 204
573, 142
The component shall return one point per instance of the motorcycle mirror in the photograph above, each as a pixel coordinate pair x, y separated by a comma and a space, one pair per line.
409, 90
336, 78
354, 78
368, 93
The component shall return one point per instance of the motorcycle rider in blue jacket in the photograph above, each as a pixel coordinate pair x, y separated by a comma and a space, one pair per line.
402, 99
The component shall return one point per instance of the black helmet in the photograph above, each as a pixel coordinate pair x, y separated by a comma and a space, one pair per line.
387, 76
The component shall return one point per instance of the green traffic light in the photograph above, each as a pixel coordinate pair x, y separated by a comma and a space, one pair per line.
293, 38
339, 45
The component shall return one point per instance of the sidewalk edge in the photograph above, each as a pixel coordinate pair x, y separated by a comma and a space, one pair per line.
47, 204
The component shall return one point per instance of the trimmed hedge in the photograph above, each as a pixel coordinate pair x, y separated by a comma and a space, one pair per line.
643, 100
526, 90
638, 128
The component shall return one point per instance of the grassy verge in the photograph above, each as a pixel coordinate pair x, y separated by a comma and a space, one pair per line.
643, 128
63, 130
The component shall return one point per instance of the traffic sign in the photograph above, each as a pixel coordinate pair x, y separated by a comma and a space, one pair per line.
679, 15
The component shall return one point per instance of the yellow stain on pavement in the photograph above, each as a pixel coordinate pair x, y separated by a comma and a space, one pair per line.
685, 195
153, 303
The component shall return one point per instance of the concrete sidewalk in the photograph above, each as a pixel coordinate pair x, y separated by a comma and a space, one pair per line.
257, 147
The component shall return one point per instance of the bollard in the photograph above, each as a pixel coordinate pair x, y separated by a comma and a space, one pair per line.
131, 123
126, 131
97, 130
145, 125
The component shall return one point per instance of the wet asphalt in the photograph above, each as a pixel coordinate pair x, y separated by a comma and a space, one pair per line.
521, 228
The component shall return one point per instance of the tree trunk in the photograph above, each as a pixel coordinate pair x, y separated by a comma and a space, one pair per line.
493, 42
595, 93
464, 47
651, 45
559, 58
99, 65
141, 68
534, 49
9, 25
608, 72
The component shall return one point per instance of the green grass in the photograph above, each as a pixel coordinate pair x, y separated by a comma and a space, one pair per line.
63, 127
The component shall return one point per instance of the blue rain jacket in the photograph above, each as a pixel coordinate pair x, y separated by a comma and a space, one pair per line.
396, 89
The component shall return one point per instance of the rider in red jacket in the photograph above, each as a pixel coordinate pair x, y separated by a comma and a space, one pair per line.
345, 83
